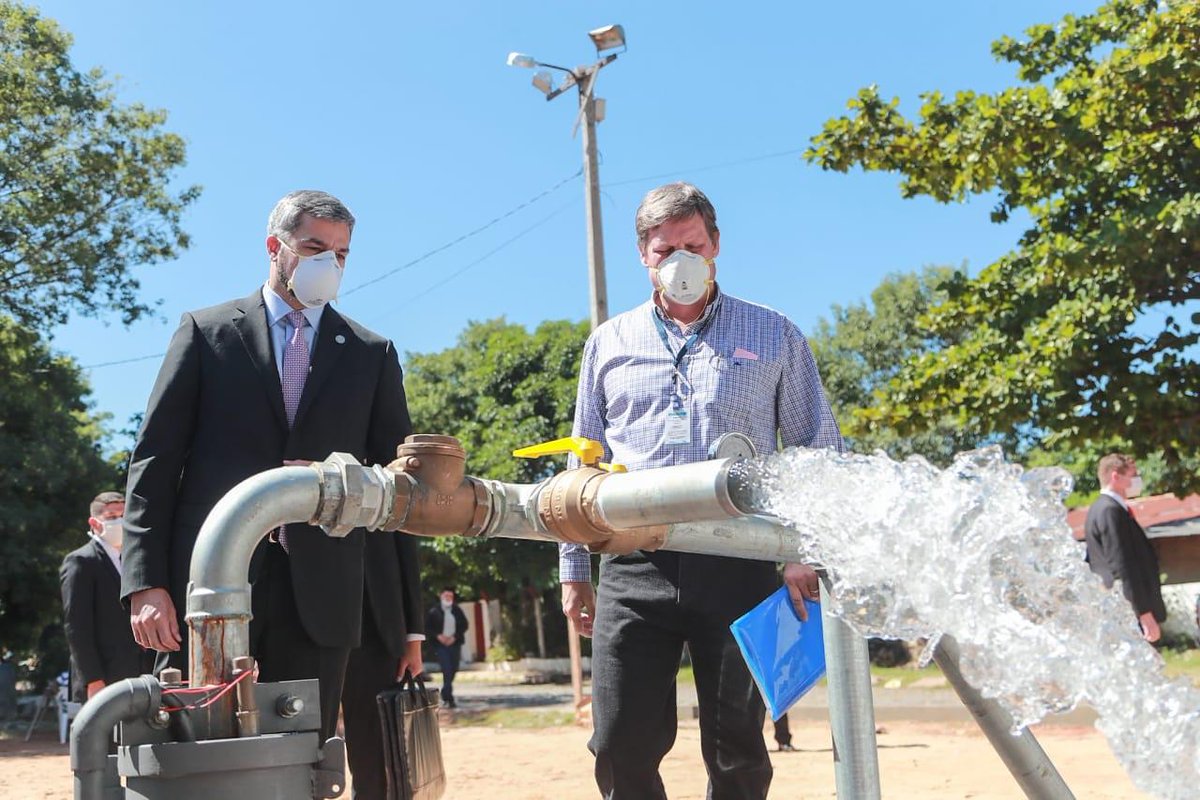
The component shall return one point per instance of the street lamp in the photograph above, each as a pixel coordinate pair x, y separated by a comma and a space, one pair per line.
591, 111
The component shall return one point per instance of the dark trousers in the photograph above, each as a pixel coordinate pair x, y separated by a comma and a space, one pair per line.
283, 648
371, 670
448, 657
643, 619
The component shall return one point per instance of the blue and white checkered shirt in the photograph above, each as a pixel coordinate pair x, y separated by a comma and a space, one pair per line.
750, 370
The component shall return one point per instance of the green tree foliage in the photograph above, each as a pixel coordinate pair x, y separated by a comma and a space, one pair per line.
861, 349
499, 388
50, 469
83, 182
1083, 332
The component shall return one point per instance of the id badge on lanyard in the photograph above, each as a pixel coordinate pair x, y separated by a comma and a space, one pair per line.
679, 416
679, 422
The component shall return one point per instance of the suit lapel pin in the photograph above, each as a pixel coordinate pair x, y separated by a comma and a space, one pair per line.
340, 339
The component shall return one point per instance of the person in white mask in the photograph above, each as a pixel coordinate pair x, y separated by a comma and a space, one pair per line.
279, 378
448, 624
96, 625
658, 386
1117, 546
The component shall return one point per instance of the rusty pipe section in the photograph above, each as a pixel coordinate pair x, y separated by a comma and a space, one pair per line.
339, 494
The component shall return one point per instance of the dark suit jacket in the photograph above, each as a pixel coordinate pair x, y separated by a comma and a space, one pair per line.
393, 584
216, 417
435, 618
1118, 549
96, 624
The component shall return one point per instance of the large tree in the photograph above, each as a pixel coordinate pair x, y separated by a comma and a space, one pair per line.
860, 349
50, 469
84, 179
499, 388
1086, 330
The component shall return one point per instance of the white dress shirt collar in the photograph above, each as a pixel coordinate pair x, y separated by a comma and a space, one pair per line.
277, 309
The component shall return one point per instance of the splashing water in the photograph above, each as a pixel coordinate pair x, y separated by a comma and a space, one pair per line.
981, 551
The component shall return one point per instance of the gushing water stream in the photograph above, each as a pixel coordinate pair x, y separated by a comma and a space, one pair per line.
981, 551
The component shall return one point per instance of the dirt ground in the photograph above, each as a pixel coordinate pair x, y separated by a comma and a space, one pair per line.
916, 759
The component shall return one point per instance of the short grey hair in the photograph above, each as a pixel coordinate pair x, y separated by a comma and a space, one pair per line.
287, 213
673, 201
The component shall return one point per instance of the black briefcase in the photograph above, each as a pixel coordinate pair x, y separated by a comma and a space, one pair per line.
412, 741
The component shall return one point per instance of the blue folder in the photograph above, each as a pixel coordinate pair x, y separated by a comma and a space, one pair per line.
785, 656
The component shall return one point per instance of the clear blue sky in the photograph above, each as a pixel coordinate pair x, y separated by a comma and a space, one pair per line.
408, 113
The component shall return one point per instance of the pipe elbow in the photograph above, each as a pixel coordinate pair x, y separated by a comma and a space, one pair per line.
127, 699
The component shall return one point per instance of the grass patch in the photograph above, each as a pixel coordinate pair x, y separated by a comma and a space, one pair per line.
1182, 663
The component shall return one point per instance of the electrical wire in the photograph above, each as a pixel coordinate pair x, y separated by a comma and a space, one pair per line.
465, 236
225, 688
122, 361
737, 163
410, 300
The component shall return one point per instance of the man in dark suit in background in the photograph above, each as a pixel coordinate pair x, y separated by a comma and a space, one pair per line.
391, 645
102, 647
275, 378
1117, 547
447, 623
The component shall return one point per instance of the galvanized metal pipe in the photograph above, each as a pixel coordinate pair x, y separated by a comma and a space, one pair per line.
683, 493
759, 537
218, 600
1026, 760
851, 707
92, 731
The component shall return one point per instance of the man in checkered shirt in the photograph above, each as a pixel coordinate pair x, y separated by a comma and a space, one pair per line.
658, 385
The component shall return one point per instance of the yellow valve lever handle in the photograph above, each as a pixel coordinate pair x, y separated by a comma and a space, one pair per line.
588, 450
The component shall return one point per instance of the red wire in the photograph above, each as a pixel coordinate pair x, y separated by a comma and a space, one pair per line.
225, 688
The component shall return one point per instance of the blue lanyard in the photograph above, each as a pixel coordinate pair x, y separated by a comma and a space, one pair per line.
681, 376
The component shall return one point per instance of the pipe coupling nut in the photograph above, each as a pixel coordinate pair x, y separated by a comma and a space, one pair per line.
352, 495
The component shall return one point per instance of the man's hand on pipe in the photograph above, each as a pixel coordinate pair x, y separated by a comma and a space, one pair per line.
152, 617
579, 605
803, 584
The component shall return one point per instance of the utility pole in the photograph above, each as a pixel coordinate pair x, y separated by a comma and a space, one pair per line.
590, 112
597, 286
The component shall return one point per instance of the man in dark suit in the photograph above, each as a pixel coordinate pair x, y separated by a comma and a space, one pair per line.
275, 378
102, 647
1117, 547
391, 645
448, 624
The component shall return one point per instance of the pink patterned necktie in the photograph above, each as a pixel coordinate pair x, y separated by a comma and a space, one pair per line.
295, 372
295, 365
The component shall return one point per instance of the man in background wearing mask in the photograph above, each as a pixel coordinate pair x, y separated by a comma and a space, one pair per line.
276, 378
1117, 547
658, 385
448, 624
97, 627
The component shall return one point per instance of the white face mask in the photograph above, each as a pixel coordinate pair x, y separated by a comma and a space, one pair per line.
316, 279
113, 532
684, 277
1135, 486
